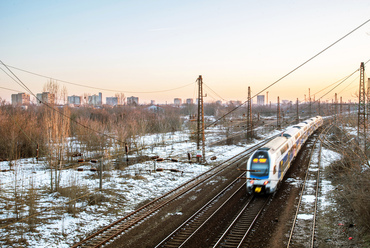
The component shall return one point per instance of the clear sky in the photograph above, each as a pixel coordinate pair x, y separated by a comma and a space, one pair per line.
148, 46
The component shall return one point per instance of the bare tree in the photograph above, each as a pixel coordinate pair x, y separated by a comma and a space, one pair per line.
121, 98
57, 125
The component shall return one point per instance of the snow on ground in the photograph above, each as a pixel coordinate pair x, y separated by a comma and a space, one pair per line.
327, 158
60, 223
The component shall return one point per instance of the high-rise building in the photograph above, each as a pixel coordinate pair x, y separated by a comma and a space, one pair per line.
45, 97
95, 100
177, 101
261, 100
20, 99
189, 101
132, 100
75, 100
112, 101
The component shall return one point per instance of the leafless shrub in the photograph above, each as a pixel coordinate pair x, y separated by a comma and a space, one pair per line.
97, 199
352, 175
31, 202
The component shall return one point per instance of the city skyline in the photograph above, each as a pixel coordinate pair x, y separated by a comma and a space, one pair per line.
156, 50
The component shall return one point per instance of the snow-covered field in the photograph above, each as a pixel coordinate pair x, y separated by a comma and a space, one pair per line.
56, 221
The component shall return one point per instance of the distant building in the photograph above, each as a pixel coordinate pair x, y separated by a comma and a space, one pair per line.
219, 102
112, 101
95, 100
261, 100
20, 99
177, 101
235, 103
74, 100
132, 100
45, 97
189, 101
155, 109
285, 102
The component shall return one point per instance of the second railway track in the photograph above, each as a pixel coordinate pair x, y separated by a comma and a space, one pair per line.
112, 231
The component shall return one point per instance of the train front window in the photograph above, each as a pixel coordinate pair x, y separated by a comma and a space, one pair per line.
260, 164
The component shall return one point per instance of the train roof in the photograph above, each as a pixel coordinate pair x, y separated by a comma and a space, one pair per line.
300, 125
275, 144
291, 131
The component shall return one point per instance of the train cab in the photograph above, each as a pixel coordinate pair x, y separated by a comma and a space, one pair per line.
259, 172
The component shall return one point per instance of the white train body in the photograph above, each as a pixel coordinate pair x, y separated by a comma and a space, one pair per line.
268, 165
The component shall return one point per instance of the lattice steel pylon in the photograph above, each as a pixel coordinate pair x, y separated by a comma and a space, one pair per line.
361, 124
200, 120
249, 115
297, 117
368, 100
278, 121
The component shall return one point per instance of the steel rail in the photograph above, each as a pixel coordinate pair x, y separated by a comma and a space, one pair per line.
202, 212
149, 208
239, 228
316, 197
304, 187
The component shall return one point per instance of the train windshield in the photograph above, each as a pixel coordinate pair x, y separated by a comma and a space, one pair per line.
260, 164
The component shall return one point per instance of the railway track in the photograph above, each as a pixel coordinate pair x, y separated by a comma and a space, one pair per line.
302, 232
110, 232
181, 235
236, 233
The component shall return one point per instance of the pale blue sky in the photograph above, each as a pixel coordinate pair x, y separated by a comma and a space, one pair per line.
136, 46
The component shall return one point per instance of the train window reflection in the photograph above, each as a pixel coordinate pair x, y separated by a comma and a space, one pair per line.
260, 169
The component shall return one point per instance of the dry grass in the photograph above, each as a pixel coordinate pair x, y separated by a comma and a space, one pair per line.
351, 176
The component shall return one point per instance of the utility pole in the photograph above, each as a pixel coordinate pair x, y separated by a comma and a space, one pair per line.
361, 128
319, 107
278, 124
336, 106
267, 97
249, 115
309, 99
297, 119
368, 100
341, 107
200, 123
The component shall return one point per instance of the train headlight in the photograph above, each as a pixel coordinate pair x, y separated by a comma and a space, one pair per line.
265, 182
251, 182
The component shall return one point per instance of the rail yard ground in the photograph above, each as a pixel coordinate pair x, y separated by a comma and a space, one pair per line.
33, 217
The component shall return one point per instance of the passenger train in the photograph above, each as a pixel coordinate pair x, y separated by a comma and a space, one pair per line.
268, 165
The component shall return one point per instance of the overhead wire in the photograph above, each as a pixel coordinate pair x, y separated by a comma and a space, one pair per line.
10, 89
290, 72
349, 84
57, 111
328, 86
336, 84
214, 91
96, 88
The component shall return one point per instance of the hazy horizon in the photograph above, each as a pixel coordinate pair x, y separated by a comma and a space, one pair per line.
148, 48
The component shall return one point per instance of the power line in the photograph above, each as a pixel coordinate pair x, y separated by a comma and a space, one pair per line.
96, 88
10, 89
290, 72
214, 92
56, 110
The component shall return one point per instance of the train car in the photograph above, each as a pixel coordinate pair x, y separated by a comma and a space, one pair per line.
268, 165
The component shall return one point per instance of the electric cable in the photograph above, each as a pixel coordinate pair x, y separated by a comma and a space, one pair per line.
214, 92
56, 110
290, 72
11, 89
96, 88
